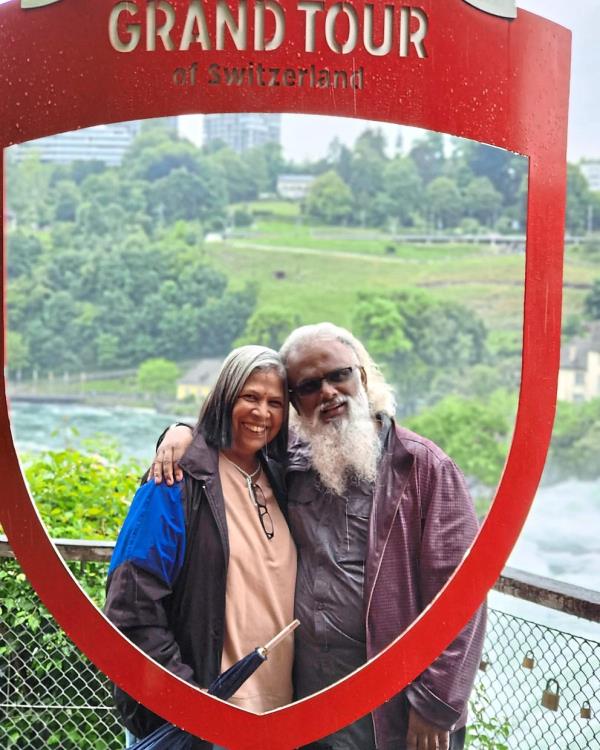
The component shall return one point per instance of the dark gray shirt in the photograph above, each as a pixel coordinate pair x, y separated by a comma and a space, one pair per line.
331, 536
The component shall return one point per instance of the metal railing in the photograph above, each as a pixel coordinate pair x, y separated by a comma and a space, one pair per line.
52, 696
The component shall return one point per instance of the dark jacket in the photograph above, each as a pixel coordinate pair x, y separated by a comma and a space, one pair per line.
167, 578
422, 522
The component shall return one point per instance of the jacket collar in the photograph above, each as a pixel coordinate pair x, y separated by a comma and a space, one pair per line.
201, 460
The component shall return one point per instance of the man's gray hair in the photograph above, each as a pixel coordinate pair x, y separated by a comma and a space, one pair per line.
380, 394
215, 421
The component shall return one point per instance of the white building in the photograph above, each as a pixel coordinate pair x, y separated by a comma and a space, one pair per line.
294, 187
579, 374
105, 143
242, 130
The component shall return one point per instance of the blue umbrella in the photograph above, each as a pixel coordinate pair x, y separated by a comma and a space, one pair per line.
166, 737
170, 737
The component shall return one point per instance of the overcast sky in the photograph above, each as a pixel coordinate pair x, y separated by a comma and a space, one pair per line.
306, 136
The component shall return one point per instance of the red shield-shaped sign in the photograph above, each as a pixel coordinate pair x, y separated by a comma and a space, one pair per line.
446, 65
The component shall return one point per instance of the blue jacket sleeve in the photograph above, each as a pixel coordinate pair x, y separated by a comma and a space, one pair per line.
153, 535
147, 560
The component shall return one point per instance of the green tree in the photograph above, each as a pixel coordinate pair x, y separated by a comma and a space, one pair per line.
367, 167
28, 193
83, 168
503, 169
18, 357
222, 320
269, 326
329, 199
339, 158
112, 206
106, 223
425, 344
371, 142
427, 153
156, 152
158, 376
579, 199
237, 173
591, 302
66, 198
378, 323
273, 161
107, 350
404, 187
188, 196
257, 166
473, 432
445, 334
575, 439
24, 250
482, 201
444, 201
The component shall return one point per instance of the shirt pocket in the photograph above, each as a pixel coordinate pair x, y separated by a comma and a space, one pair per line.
301, 519
353, 532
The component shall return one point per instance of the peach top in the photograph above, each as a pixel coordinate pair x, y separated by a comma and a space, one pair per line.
261, 580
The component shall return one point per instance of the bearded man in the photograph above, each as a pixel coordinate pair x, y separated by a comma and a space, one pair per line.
381, 518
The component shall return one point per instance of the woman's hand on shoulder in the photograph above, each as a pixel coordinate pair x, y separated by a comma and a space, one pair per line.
166, 461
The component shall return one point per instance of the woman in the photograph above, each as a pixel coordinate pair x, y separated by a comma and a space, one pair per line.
204, 570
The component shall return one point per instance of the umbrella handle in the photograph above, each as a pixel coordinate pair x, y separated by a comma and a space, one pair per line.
279, 637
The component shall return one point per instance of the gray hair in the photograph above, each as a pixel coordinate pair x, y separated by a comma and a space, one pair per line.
380, 394
215, 421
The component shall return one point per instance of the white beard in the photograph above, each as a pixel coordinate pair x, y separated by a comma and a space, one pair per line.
344, 449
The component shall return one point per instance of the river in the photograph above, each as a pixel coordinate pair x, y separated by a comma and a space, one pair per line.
561, 538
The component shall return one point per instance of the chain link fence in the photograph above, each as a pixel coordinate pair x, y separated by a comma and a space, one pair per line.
52, 696
524, 664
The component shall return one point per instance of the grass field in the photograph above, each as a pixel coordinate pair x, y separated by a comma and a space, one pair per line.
319, 274
324, 286
344, 239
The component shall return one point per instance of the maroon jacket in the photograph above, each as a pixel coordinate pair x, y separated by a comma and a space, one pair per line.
421, 525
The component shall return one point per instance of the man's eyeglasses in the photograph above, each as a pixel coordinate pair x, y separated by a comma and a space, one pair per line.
264, 516
313, 385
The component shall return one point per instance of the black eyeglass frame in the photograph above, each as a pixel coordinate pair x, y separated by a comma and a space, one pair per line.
310, 386
262, 509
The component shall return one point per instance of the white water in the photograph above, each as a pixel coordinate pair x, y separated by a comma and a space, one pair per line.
561, 538
37, 427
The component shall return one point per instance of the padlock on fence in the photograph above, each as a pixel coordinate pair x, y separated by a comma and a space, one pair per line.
550, 697
528, 660
586, 710
483, 665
